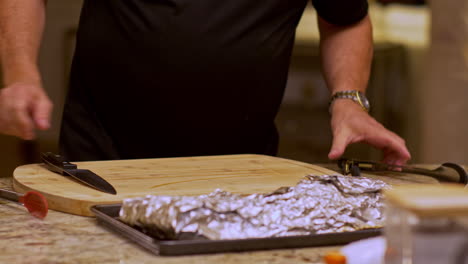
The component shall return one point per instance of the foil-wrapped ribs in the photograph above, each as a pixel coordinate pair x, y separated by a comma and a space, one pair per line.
317, 204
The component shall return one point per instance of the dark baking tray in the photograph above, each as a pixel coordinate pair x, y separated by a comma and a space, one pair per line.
107, 215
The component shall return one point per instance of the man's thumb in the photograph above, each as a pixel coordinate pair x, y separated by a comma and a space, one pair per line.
41, 113
338, 148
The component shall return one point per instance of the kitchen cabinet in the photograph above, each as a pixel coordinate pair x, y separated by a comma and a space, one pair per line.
14, 152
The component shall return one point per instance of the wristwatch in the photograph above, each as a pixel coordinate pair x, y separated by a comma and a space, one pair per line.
354, 95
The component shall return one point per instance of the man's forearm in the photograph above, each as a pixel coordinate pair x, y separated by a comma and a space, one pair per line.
346, 55
21, 28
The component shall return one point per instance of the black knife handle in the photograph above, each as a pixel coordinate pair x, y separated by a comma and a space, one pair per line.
57, 163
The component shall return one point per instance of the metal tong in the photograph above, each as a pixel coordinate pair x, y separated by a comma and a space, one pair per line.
447, 172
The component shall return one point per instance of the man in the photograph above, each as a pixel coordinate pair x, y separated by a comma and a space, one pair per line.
162, 78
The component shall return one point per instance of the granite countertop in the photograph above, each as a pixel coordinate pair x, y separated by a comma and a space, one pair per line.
65, 238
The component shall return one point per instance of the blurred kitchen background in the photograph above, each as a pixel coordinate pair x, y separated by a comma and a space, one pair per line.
408, 89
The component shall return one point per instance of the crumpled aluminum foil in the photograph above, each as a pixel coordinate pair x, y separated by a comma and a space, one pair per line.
317, 204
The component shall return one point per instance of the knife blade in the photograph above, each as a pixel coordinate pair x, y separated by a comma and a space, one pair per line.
58, 164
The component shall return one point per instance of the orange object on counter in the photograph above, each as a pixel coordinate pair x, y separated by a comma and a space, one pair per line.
335, 258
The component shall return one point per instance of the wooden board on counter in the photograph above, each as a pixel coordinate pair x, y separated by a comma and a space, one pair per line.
244, 174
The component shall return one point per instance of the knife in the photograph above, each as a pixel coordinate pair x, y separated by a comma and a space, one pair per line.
57, 163
448, 172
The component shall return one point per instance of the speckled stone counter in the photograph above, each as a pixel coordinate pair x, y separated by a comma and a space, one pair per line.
64, 238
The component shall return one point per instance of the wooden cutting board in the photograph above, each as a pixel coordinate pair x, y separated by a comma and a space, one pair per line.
244, 174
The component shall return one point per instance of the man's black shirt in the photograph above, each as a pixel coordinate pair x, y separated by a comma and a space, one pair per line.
166, 78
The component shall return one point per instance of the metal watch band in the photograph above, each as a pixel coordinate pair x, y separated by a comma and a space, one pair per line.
357, 96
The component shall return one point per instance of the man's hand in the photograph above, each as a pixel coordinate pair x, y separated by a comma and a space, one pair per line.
24, 107
351, 124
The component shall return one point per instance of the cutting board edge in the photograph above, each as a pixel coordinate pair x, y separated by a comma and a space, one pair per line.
73, 206
212, 157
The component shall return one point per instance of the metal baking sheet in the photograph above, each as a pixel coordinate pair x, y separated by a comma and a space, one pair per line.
107, 215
